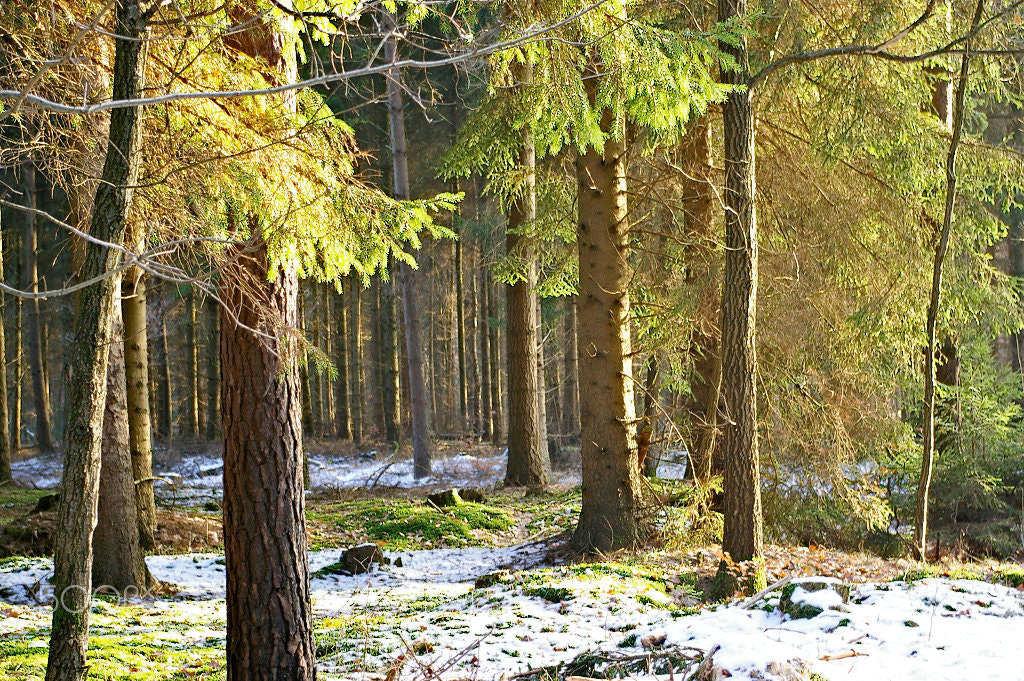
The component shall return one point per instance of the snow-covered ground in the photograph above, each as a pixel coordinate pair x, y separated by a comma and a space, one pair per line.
932, 629
197, 477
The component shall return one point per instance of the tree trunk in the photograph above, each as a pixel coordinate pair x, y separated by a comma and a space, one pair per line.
406, 275
163, 384
269, 611
652, 388
1015, 237
212, 369
494, 345
389, 392
570, 382
33, 339
192, 368
527, 460
705, 385
473, 357
486, 406
743, 533
611, 482
949, 353
118, 561
136, 361
269, 630
5, 433
355, 348
342, 412
77, 509
16, 351
460, 327
542, 390
327, 391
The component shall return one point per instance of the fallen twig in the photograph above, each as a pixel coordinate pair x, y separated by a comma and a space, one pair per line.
841, 656
747, 604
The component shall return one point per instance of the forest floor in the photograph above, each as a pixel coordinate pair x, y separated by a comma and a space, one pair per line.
485, 591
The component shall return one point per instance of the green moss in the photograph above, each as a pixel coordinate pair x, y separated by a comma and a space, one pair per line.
551, 594
117, 658
1011, 577
917, 574
965, 573
401, 524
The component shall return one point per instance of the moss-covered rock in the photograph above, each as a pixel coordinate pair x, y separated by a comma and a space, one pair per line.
797, 602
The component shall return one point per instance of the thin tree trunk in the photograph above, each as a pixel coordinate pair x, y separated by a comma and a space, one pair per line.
414, 352
355, 346
5, 432
705, 386
494, 345
77, 508
304, 379
743, 533
164, 380
611, 482
486, 407
473, 359
570, 383
33, 339
118, 561
389, 393
313, 373
212, 369
192, 329
17, 351
460, 327
652, 388
928, 455
542, 390
527, 461
327, 336
342, 413
136, 360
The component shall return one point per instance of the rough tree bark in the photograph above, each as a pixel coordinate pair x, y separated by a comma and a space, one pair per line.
269, 612
269, 631
406, 275
76, 511
743, 533
611, 481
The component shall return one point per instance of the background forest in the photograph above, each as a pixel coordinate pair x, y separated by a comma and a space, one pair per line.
383, 232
